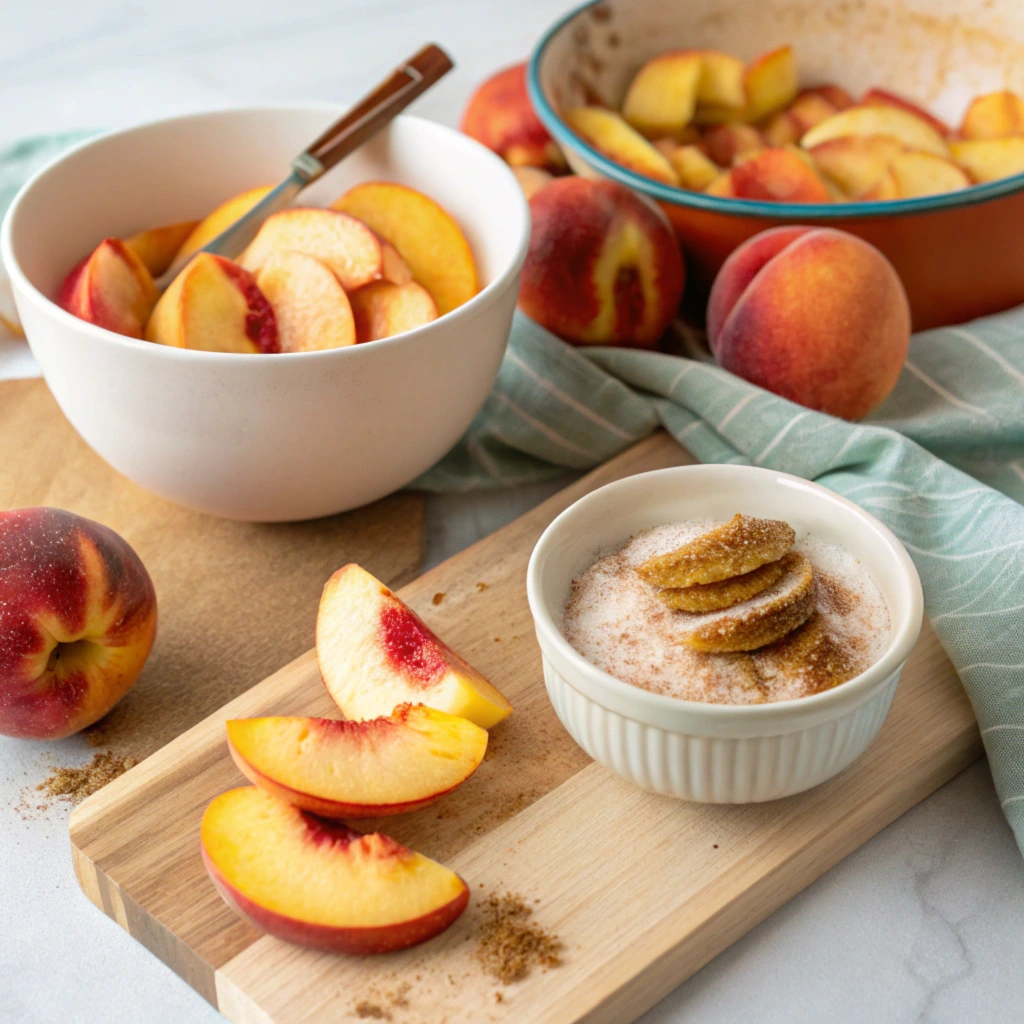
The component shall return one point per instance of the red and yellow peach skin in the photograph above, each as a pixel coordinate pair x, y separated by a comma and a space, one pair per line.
815, 315
77, 621
499, 114
603, 267
111, 288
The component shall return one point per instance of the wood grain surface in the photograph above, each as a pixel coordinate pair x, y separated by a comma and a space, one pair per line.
236, 600
642, 889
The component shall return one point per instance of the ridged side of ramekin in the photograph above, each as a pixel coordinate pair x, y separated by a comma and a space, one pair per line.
716, 769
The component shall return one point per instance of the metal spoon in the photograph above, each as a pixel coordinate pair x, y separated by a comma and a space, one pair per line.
409, 80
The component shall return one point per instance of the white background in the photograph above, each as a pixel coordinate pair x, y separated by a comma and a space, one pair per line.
924, 923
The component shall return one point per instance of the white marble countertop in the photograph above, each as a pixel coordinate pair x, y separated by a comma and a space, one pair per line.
923, 923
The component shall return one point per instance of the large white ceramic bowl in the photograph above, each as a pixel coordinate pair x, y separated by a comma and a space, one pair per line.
717, 753
263, 437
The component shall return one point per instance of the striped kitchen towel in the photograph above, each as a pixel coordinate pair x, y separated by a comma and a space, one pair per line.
941, 463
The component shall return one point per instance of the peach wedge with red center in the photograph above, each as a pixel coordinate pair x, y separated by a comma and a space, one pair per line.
318, 883
111, 288
426, 235
215, 306
341, 769
355, 253
310, 306
376, 653
382, 310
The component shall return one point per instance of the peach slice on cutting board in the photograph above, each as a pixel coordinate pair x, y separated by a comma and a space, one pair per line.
382, 310
318, 883
157, 247
216, 306
111, 288
341, 769
426, 234
220, 219
375, 653
310, 306
355, 253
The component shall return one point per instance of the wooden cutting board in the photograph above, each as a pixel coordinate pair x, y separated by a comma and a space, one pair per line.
642, 889
236, 600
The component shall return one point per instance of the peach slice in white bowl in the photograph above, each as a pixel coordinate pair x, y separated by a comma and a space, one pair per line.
266, 437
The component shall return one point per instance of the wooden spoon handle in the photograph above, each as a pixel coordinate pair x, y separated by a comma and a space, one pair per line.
369, 115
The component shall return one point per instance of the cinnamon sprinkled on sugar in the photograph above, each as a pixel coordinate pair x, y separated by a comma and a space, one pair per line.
616, 621
510, 944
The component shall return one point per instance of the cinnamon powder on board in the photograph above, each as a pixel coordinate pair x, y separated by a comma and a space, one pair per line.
510, 944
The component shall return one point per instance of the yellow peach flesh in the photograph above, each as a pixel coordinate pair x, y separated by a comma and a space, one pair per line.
608, 133
382, 310
354, 252
427, 236
323, 885
359, 769
310, 306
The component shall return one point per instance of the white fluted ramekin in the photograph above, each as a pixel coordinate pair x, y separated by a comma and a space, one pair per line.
717, 753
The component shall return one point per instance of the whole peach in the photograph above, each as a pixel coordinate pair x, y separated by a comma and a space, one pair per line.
815, 315
603, 267
499, 114
77, 621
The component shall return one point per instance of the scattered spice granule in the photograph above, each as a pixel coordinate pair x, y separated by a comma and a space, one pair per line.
481, 587
510, 944
75, 784
715, 845
438, 597
370, 1011
399, 997
96, 735
498, 997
